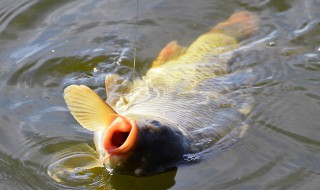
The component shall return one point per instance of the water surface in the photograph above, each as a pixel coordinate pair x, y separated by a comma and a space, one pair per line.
46, 45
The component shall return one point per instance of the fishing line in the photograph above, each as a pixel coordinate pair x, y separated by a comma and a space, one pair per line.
135, 46
135, 36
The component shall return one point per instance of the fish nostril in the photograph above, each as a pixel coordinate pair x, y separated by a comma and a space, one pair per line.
118, 138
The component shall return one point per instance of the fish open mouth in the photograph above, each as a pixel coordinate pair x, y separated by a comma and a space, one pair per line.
120, 136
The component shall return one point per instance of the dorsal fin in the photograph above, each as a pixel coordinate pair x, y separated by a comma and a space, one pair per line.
170, 52
88, 108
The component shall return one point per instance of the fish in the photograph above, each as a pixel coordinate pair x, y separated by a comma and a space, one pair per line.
187, 102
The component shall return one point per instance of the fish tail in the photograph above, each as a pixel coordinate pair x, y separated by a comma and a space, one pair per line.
240, 25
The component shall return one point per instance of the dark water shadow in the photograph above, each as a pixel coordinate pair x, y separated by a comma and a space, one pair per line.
160, 181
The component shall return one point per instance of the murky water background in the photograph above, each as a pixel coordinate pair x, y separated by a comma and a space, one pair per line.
46, 45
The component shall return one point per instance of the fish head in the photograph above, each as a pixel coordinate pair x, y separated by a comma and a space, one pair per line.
142, 147
127, 144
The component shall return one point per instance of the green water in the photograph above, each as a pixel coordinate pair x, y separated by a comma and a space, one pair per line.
46, 45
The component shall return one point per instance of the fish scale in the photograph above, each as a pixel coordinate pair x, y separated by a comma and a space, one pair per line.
190, 100
181, 88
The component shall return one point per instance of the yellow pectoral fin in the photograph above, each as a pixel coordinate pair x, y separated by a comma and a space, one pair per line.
170, 52
88, 108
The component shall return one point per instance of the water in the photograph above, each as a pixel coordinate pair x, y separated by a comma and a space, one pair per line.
46, 45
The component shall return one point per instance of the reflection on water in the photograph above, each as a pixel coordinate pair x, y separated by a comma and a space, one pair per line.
47, 45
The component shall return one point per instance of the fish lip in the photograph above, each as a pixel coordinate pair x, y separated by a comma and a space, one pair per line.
121, 124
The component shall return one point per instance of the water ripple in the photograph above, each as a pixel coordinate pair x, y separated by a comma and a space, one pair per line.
10, 9
48, 45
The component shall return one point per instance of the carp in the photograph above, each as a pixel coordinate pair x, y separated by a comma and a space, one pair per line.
188, 101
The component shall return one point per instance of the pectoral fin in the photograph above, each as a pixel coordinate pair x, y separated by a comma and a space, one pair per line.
171, 51
88, 108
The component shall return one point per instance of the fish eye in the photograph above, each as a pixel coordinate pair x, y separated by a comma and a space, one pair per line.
155, 123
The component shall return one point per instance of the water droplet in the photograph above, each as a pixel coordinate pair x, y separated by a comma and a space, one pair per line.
272, 44
95, 70
138, 171
319, 49
53, 51
191, 158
